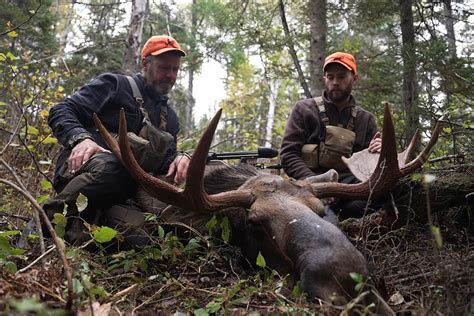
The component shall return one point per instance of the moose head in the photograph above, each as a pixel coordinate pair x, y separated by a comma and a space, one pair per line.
283, 219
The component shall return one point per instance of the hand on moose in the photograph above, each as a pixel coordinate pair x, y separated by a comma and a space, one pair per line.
179, 168
375, 144
81, 153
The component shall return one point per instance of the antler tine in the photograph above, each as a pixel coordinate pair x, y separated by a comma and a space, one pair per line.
423, 156
157, 188
385, 174
111, 142
193, 196
408, 152
194, 190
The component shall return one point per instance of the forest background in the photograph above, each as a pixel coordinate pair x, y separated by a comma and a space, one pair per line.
416, 55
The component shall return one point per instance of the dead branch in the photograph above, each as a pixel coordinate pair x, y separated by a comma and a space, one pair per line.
40, 212
291, 47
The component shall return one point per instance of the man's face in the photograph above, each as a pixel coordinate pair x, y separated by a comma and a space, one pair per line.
338, 81
160, 72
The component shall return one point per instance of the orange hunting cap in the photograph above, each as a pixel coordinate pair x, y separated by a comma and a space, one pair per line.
345, 59
160, 44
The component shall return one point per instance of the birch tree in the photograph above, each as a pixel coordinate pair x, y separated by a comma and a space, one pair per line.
131, 57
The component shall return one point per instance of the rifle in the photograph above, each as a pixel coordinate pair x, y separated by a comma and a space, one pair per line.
259, 158
261, 152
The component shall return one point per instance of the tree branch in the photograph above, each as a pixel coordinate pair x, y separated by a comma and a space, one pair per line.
291, 47
39, 210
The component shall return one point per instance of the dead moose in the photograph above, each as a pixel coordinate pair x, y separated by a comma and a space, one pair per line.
284, 219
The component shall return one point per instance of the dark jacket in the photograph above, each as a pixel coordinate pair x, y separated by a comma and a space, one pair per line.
106, 95
304, 126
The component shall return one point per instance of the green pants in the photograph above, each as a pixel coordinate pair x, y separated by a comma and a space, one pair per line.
108, 188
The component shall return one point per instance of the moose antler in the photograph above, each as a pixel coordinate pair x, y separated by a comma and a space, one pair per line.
387, 170
193, 195
362, 164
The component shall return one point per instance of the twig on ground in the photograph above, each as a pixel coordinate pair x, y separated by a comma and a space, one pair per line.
40, 212
36, 260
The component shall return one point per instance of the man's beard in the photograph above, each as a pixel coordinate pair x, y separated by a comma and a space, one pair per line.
339, 95
159, 89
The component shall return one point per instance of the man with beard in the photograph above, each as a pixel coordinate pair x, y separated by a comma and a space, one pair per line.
86, 166
321, 130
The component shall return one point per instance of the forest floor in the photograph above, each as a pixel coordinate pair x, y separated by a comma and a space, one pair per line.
416, 271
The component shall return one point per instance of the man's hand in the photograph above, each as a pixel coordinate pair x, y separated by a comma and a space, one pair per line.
179, 168
375, 144
82, 152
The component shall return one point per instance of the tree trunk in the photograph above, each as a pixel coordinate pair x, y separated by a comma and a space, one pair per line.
449, 24
131, 58
410, 85
192, 68
273, 85
291, 47
318, 30
64, 15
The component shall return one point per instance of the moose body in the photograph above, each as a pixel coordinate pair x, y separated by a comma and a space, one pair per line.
281, 218
285, 224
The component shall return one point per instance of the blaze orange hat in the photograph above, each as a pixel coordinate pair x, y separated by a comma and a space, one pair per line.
160, 44
345, 59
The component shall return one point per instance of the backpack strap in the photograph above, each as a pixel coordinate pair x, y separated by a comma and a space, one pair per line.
350, 124
137, 96
322, 110
324, 117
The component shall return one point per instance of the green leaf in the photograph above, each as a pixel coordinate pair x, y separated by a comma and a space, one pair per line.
46, 185
3, 57
104, 234
6, 247
297, 291
60, 230
261, 260
416, 177
192, 244
12, 57
161, 232
99, 292
357, 277
81, 202
226, 229
50, 140
211, 224
201, 312
59, 219
9, 233
40, 199
213, 306
77, 286
11, 267
30, 130
447, 130
12, 34
437, 235
27, 305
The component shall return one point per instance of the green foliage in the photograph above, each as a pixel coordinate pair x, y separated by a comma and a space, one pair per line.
261, 261
60, 222
31, 305
104, 234
7, 252
358, 279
